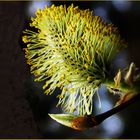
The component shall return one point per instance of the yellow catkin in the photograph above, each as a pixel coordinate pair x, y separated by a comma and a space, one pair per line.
71, 49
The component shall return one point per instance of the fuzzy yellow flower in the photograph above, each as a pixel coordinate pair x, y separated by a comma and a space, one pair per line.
71, 49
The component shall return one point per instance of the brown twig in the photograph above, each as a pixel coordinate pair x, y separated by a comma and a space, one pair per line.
103, 116
89, 121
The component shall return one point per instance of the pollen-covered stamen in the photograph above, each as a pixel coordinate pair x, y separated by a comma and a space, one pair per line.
72, 50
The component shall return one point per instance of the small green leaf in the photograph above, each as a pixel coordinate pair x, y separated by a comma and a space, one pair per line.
65, 119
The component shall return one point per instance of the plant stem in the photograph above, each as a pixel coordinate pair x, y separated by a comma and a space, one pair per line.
103, 116
89, 121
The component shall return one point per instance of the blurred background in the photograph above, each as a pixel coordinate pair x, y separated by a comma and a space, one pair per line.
23, 106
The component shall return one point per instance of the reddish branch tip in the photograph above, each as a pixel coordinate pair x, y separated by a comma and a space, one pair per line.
83, 123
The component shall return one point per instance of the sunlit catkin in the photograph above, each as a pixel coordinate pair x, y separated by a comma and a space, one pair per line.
71, 49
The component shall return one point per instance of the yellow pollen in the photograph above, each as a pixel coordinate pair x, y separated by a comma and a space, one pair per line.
89, 78
71, 90
25, 39
86, 66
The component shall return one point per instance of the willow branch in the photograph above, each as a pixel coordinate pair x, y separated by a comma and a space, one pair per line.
103, 116
89, 121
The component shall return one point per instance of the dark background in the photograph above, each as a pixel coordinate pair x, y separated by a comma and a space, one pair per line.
23, 106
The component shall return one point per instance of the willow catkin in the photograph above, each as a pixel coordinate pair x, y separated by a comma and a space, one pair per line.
72, 50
